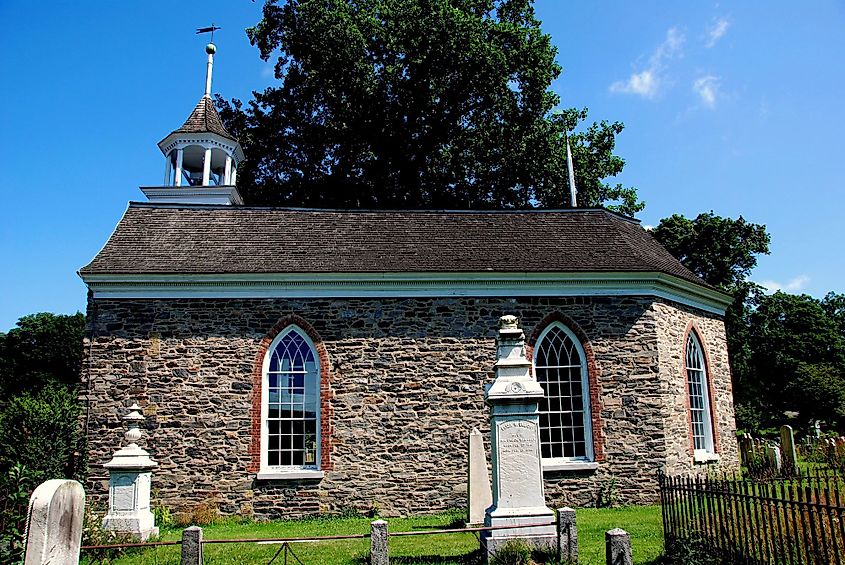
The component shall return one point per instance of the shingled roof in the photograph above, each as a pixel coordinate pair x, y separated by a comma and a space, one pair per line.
180, 239
205, 119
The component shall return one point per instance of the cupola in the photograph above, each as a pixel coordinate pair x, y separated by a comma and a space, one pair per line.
201, 157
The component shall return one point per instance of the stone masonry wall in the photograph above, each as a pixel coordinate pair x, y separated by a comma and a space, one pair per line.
676, 324
406, 378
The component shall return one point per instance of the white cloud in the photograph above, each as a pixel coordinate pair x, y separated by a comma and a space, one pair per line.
716, 32
644, 84
795, 285
707, 88
648, 82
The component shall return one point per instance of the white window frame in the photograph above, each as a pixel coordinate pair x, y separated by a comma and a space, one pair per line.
708, 452
282, 472
586, 462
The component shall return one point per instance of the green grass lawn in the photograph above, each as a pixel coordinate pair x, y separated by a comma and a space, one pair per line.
642, 522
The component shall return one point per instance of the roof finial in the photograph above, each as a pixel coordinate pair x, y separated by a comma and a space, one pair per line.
211, 49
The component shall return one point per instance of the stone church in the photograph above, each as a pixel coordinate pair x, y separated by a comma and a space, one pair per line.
296, 361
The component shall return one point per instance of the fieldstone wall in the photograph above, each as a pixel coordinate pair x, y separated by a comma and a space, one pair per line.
676, 322
406, 381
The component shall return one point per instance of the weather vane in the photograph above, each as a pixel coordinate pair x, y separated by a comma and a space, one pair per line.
211, 29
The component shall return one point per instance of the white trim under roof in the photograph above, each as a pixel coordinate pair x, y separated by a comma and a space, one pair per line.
406, 285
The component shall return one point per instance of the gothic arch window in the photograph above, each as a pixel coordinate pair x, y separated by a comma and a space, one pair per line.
290, 403
565, 421
698, 391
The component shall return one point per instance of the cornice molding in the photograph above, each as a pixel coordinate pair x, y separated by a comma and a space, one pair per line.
406, 285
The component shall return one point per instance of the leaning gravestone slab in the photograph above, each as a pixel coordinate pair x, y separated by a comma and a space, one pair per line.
54, 523
480, 495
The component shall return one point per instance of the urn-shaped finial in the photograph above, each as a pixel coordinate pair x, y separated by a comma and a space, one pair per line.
133, 419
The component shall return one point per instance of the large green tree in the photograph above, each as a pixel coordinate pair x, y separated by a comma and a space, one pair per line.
723, 251
798, 354
43, 348
415, 104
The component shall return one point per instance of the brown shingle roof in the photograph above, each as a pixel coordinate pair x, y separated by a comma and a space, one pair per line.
172, 239
204, 119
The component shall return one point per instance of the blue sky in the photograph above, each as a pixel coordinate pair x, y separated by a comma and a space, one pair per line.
730, 107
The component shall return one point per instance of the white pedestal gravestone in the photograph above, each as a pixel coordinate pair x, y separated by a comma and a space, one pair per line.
54, 523
518, 497
129, 484
479, 493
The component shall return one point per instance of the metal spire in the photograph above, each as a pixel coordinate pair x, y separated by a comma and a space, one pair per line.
211, 49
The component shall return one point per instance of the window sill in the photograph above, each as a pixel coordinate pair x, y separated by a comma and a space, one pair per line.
290, 475
700, 456
570, 466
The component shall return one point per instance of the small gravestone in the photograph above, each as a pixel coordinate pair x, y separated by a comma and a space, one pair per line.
518, 496
773, 457
54, 523
787, 447
480, 495
129, 485
745, 449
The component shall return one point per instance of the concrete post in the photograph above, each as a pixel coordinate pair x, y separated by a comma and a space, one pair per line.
54, 523
192, 546
378, 543
617, 546
567, 535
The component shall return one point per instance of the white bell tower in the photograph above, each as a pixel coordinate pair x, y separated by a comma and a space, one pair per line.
201, 157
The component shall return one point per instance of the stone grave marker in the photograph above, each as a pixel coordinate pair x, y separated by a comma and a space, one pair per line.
773, 457
518, 496
54, 523
479, 492
787, 447
129, 485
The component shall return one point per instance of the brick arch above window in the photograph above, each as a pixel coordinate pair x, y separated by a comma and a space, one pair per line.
592, 372
693, 329
326, 411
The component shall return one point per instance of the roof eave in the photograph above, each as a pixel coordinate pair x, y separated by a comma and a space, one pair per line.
304, 285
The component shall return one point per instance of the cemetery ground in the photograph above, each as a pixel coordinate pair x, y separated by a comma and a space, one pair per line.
642, 522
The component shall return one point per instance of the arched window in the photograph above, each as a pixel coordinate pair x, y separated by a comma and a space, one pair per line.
290, 403
699, 396
565, 422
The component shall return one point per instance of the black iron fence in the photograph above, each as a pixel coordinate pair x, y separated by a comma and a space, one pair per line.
796, 520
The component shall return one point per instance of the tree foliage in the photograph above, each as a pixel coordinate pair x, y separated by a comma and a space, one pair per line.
415, 104
43, 348
41, 431
787, 352
722, 251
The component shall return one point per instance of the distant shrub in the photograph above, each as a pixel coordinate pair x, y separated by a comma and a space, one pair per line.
41, 431
16, 485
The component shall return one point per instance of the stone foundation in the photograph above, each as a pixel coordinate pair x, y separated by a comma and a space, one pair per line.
405, 386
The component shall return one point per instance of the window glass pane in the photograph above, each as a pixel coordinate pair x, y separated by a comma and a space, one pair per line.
293, 403
558, 368
698, 394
